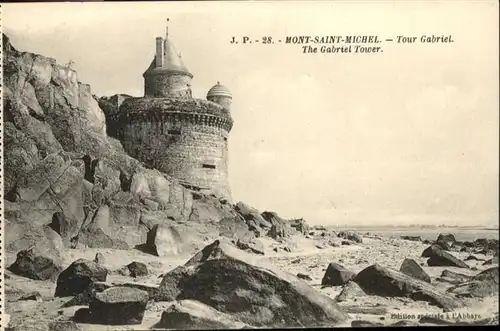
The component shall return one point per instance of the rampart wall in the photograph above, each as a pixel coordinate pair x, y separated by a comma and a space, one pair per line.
181, 139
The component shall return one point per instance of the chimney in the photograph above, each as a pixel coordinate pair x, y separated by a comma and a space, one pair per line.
159, 51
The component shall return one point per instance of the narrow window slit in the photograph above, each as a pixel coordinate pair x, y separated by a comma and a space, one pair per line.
174, 131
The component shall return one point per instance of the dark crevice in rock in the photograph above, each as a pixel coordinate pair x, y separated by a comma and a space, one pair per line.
8, 116
57, 219
12, 195
89, 168
35, 115
125, 181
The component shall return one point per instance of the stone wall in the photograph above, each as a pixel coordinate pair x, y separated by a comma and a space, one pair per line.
191, 148
167, 85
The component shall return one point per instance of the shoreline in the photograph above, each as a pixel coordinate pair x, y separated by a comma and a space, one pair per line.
310, 255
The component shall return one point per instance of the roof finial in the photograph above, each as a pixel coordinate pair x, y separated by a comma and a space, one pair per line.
218, 82
166, 29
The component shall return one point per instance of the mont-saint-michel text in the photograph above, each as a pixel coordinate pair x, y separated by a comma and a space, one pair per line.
367, 44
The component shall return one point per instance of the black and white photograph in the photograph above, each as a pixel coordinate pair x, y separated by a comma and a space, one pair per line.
249, 164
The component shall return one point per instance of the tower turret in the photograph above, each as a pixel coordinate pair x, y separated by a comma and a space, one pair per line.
182, 136
221, 95
167, 76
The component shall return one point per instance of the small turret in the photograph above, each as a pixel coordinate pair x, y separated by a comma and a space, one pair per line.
167, 76
221, 95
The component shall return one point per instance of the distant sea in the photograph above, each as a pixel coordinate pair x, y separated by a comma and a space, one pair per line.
461, 234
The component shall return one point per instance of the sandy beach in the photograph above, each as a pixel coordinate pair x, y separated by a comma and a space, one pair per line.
308, 257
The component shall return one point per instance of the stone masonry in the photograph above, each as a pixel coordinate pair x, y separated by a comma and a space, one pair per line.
171, 131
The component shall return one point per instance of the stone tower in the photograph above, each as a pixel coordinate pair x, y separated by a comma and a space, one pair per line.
167, 76
171, 131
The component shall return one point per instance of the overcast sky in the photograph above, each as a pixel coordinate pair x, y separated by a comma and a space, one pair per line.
406, 136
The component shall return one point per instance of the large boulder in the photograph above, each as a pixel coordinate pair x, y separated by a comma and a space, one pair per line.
382, 281
79, 276
39, 251
35, 266
482, 285
488, 275
194, 315
439, 257
431, 250
336, 275
411, 268
258, 294
115, 306
446, 240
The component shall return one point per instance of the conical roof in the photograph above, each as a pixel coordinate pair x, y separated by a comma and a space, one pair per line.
219, 90
172, 61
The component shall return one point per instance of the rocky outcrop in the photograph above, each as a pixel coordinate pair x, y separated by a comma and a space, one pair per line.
378, 280
336, 275
411, 268
61, 167
258, 295
194, 315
